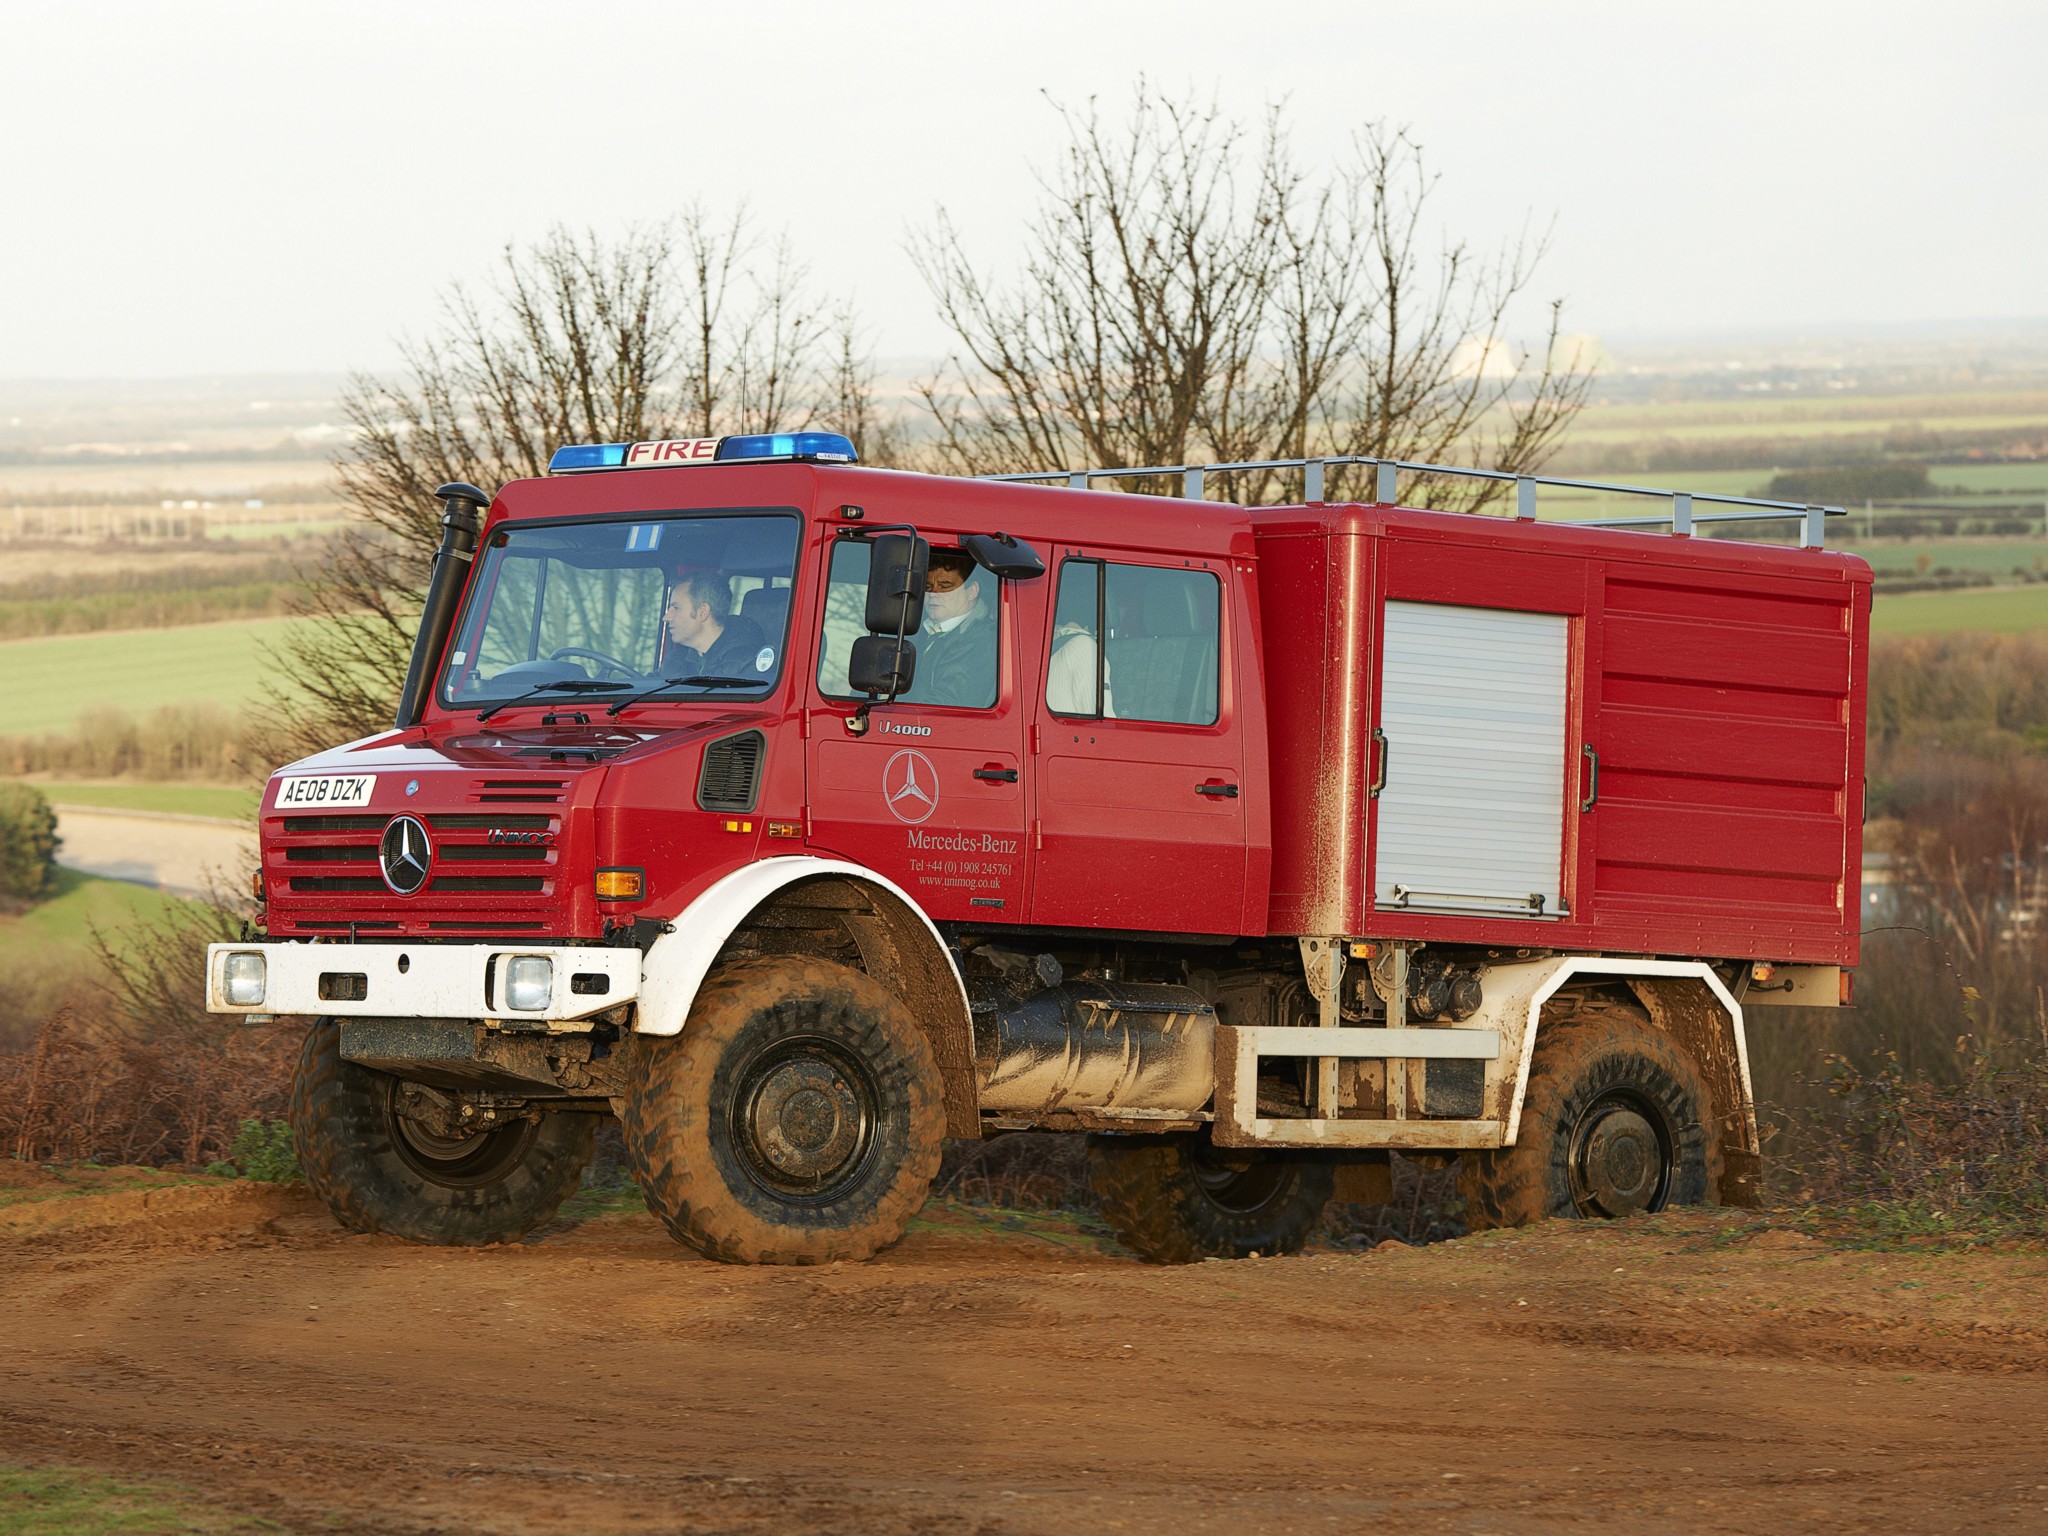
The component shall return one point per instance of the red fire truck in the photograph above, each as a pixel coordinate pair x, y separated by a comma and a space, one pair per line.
802, 815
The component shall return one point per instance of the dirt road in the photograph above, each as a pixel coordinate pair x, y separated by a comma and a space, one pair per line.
1694, 1374
184, 855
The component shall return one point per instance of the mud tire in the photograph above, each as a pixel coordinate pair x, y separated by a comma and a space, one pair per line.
1177, 1199
744, 1182
1589, 1065
376, 1174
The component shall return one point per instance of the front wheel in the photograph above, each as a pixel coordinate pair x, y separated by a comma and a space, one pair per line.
1179, 1199
381, 1170
1617, 1121
797, 1119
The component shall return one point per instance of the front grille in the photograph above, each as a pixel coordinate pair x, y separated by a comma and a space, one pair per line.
335, 856
334, 823
731, 776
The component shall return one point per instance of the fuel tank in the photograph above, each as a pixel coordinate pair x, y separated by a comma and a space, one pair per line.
1098, 1045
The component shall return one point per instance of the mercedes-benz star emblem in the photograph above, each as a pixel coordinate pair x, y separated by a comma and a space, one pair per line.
910, 786
404, 853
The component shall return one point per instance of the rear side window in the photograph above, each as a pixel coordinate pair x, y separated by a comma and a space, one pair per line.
1135, 642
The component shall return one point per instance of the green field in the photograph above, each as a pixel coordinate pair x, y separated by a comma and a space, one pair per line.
56, 934
1998, 557
2003, 479
177, 799
49, 681
1998, 610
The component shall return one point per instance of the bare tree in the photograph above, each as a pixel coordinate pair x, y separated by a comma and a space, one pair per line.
1189, 294
694, 328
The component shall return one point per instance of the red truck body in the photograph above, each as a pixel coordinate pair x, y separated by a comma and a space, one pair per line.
1717, 685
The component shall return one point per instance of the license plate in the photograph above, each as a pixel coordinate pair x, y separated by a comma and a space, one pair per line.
344, 789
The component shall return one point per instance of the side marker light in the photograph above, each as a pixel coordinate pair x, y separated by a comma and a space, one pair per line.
621, 884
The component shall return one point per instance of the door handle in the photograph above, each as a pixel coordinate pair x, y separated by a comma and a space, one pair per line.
1379, 779
1227, 791
997, 775
1592, 779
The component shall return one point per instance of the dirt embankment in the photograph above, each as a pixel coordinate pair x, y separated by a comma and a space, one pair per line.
1687, 1374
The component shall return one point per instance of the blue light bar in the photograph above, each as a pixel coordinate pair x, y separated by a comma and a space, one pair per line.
676, 453
823, 447
587, 456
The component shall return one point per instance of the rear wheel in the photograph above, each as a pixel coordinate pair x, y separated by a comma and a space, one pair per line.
797, 1119
381, 1170
1617, 1121
1178, 1199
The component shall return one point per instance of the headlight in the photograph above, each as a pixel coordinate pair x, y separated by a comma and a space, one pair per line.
243, 974
529, 983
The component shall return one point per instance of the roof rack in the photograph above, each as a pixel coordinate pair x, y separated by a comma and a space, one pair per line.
1680, 517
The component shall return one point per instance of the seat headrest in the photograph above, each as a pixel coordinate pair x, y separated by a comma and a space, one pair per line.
767, 607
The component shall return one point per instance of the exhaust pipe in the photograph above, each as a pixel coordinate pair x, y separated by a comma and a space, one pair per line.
459, 527
1099, 1045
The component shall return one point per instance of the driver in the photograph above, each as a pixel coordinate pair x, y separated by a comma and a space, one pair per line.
709, 639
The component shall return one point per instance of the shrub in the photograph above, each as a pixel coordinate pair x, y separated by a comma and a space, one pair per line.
1905, 1158
173, 741
262, 1150
86, 1091
28, 844
1840, 484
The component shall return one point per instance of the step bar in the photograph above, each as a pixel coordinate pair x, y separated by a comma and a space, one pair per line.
1239, 1049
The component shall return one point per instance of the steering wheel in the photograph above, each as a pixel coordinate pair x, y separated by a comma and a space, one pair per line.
605, 663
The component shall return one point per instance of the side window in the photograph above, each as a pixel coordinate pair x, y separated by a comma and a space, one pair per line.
846, 597
957, 659
1076, 677
1159, 659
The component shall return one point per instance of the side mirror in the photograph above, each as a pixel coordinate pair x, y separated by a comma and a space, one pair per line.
881, 666
896, 575
1003, 556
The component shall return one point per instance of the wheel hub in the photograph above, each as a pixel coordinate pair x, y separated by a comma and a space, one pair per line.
804, 1121
1620, 1165
1241, 1184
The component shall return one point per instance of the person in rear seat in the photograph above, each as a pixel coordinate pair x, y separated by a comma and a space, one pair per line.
1070, 680
707, 639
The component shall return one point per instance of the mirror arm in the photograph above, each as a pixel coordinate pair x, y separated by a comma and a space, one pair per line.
857, 722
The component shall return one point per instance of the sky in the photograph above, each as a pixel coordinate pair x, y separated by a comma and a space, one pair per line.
203, 188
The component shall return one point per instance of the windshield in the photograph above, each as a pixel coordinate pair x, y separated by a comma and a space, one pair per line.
636, 605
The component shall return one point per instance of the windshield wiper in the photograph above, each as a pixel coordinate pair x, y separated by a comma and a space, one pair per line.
562, 685
706, 681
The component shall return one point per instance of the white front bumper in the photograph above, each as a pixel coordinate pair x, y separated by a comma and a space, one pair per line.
424, 981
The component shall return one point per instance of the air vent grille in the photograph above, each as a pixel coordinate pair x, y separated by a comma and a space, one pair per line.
517, 791
731, 779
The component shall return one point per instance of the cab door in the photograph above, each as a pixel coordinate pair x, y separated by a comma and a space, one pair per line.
1140, 815
933, 795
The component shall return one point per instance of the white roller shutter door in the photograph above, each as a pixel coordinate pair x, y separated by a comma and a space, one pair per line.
1472, 704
